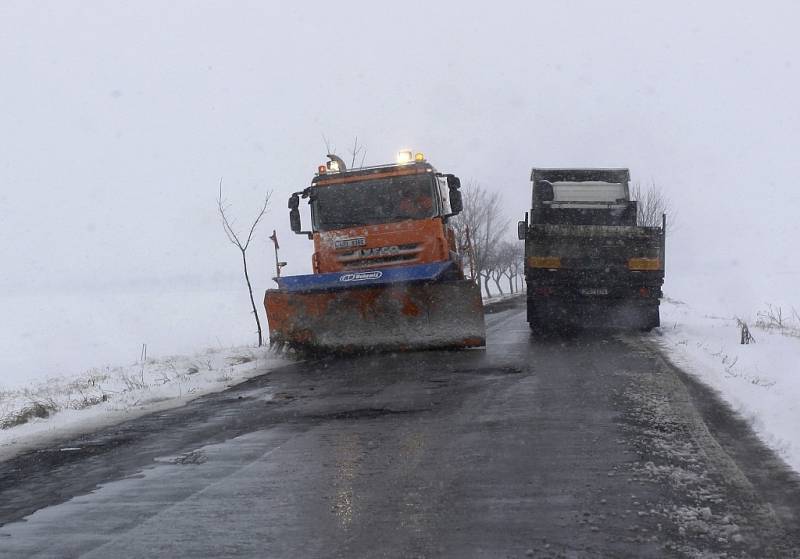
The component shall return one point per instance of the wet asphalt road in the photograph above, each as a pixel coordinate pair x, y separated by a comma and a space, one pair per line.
582, 446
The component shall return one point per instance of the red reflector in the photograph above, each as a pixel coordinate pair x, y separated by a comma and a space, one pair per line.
644, 292
543, 291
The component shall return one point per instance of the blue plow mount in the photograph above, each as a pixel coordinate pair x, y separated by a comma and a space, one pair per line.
365, 278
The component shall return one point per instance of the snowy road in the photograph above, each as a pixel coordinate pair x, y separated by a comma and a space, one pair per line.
589, 446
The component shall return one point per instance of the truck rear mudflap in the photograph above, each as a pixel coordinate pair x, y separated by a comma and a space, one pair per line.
380, 313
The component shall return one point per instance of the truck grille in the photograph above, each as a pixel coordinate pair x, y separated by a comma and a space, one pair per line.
379, 256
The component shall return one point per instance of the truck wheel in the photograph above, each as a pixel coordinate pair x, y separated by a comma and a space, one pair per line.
651, 319
539, 325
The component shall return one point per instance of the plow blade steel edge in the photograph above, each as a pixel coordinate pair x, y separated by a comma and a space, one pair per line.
402, 316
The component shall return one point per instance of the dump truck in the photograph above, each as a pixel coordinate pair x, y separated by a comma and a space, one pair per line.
588, 263
387, 274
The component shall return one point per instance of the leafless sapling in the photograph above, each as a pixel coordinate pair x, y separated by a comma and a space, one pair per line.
242, 245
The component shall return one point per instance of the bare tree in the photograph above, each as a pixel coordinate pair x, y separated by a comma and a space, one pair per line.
236, 240
518, 265
484, 219
653, 203
511, 258
498, 269
329, 148
357, 150
357, 153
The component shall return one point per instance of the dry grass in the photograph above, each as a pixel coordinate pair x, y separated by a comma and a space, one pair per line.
776, 318
241, 359
37, 409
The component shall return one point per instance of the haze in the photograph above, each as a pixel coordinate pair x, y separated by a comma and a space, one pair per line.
117, 121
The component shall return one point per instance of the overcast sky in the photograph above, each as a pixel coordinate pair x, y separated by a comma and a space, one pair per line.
117, 120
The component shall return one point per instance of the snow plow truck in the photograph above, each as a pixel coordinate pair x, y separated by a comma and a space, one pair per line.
387, 274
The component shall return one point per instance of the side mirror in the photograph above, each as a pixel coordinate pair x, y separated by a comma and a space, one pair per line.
294, 220
456, 203
294, 212
522, 230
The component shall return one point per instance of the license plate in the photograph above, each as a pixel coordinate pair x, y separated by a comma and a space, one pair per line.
593, 291
350, 243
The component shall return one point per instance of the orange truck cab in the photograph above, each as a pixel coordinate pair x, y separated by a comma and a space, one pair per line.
379, 217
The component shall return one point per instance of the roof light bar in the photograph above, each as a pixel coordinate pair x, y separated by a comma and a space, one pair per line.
405, 156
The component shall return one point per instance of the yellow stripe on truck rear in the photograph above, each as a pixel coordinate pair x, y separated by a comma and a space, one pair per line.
644, 264
551, 262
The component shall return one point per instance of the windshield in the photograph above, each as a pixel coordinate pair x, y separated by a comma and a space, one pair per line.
371, 202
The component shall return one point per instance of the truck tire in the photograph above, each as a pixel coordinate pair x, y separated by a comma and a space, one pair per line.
546, 322
536, 328
651, 318
537, 325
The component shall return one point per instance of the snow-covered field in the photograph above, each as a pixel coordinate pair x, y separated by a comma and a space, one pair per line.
47, 334
69, 404
760, 380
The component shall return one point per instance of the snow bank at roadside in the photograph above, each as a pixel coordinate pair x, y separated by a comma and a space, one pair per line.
504, 297
761, 381
64, 406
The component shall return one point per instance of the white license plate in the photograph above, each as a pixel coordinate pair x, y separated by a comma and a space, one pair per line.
350, 243
593, 291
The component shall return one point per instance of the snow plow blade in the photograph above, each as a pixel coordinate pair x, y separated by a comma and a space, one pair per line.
381, 316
